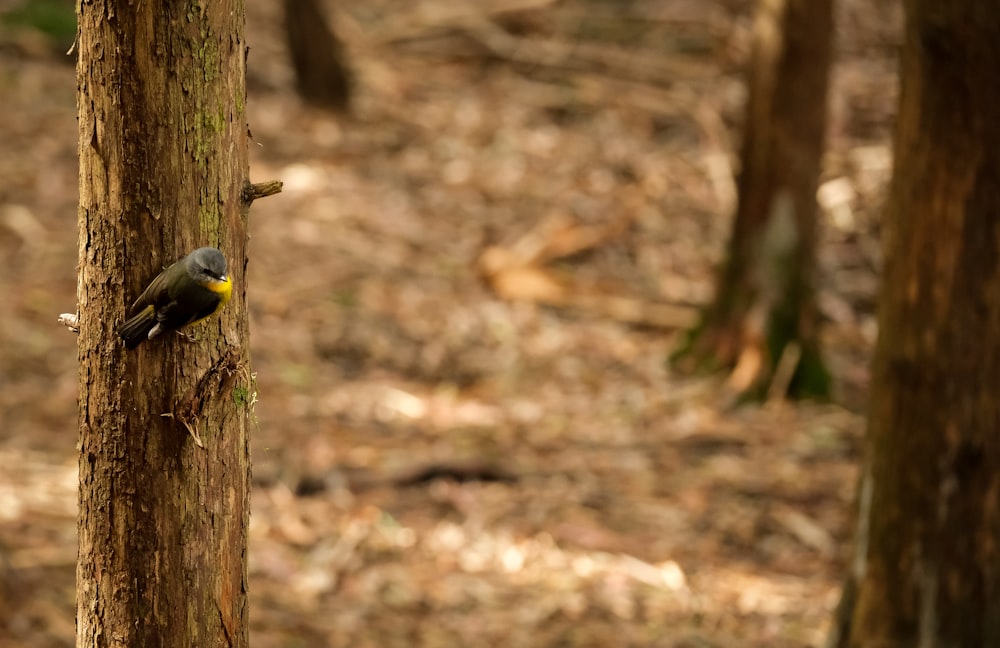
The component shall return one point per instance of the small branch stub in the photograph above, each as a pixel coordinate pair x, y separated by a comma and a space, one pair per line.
261, 190
70, 321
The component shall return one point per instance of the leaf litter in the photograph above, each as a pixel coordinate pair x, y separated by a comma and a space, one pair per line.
461, 309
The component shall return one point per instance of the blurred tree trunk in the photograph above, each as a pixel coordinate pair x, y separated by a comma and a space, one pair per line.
927, 564
321, 73
163, 163
764, 307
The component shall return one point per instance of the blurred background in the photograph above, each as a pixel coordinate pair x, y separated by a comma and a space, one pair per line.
495, 227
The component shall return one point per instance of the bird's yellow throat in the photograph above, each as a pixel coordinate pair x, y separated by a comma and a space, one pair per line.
223, 288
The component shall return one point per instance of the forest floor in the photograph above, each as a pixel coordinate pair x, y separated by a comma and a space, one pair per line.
462, 309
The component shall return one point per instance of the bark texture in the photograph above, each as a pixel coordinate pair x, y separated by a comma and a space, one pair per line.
163, 159
765, 295
927, 566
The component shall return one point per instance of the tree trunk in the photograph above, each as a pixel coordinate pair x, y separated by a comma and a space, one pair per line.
163, 163
927, 567
321, 75
764, 307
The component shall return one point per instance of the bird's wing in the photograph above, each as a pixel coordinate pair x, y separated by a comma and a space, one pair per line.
195, 305
149, 297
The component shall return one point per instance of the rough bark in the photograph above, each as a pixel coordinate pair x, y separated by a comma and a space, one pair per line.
765, 296
163, 161
321, 74
927, 566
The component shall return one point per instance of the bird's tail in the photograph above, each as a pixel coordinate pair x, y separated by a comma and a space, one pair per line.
137, 328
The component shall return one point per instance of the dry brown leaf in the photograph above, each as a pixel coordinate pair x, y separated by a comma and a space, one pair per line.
529, 284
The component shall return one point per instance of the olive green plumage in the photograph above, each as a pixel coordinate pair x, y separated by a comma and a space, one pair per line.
188, 291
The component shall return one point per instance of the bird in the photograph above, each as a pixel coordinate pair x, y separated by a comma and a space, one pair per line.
188, 291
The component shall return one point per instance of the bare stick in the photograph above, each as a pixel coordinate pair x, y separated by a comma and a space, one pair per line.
261, 190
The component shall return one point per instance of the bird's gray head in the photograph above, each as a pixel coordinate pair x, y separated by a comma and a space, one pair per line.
207, 264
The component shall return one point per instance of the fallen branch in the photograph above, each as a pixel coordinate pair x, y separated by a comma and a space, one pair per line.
613, 61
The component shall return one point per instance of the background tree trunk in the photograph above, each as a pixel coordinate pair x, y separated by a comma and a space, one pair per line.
927, 567
765, 296
163, 161
321, 74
